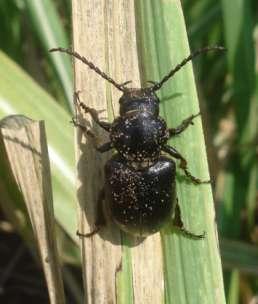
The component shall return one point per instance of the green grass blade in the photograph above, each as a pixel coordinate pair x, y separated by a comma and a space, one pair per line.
10, 27
19, 94
240, 46
242, 164
201, 18
192, 268
47, 24
239, 255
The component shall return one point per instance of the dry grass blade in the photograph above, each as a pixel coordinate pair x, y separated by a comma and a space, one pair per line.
115, 271
25, 146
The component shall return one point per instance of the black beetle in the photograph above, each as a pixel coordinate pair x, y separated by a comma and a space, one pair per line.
139, 186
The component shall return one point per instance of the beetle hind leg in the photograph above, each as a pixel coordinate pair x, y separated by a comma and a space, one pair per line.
179, 225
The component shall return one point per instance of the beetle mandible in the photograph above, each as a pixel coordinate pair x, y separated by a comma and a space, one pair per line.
139, 191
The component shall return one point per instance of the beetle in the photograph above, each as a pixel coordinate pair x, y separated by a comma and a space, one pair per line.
139, 194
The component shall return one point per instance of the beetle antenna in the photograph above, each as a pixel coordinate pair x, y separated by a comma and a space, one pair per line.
158, 85
91, 66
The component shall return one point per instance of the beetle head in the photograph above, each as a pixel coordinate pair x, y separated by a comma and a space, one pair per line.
139, 100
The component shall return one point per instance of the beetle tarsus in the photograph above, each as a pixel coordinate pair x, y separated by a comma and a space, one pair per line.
179, 225
185, 123
90, 234
189, 234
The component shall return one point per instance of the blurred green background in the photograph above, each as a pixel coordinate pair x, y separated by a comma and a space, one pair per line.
40, 86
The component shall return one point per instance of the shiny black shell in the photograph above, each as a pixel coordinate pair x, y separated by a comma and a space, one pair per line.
140, 100
140, 202
139, 135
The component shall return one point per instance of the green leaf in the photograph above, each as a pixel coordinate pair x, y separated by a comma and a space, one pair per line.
19, 94
239, 255
192, 268
240, 176
47, 24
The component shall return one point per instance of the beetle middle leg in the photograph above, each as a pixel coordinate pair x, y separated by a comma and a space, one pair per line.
100, 218
93, 113
179, 225
185, 123
183, 164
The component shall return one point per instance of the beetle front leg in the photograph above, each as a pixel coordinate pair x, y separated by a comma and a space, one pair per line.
100, 221
103, 148
183, 164
179, 225
185, 123
93, 113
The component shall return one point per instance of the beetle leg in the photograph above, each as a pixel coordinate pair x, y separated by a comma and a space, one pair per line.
152, 82
183, 164
125, 83
103, 148
93, 113
83, 128
100, 221
185, 123
179, 225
